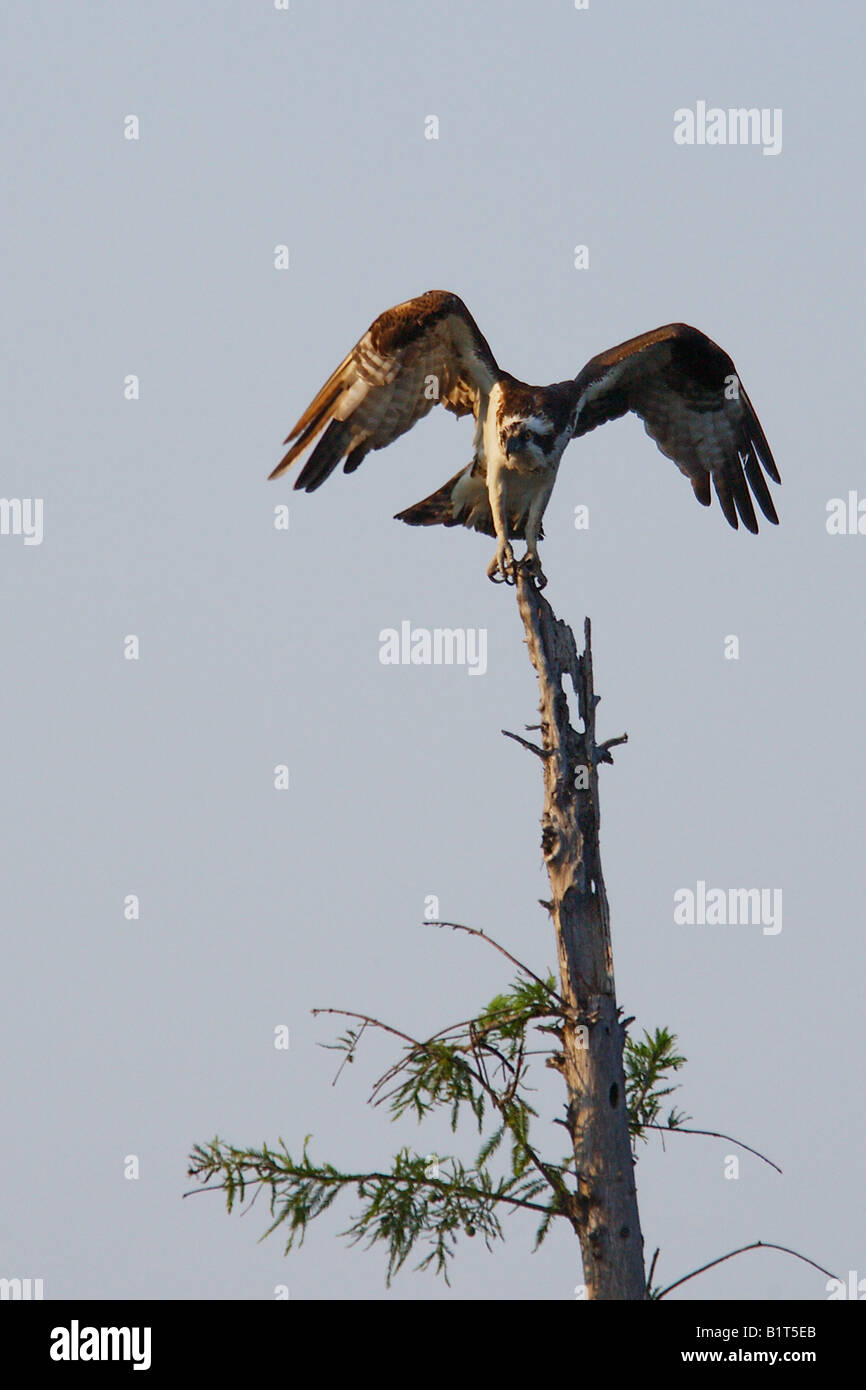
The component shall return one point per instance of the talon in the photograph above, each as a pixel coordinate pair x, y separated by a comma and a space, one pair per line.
502, 566
532, 565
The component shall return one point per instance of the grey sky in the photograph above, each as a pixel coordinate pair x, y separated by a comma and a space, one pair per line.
156, 257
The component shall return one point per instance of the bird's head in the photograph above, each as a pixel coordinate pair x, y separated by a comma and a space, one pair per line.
533, 437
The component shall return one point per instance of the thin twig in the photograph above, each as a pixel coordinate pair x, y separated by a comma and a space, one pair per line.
365, 1019
756, 1245
714, 1134
258, 1190
350, 1055
476, 931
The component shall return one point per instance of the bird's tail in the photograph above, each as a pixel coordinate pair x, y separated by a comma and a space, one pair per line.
462, 501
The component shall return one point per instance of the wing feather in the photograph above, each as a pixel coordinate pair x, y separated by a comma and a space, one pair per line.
686, 390
382, 387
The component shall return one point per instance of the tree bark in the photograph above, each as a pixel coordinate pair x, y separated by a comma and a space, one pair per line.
605, 1213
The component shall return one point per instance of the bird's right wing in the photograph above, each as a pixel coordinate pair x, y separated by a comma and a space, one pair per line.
426, 351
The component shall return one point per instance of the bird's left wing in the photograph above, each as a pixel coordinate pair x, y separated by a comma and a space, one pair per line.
426, 351
686, 390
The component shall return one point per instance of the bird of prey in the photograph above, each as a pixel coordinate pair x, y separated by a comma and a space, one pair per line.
430, 350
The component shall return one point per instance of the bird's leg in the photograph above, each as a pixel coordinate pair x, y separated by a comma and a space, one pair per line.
531, 560
501, 568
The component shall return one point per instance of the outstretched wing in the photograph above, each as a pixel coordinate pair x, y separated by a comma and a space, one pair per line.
687, 392
424, 351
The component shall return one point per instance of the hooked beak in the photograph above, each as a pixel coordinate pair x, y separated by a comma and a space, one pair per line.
513, 445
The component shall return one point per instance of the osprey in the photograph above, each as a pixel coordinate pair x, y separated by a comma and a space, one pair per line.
683, 387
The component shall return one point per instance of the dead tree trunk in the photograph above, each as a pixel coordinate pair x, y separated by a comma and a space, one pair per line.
605, 1212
